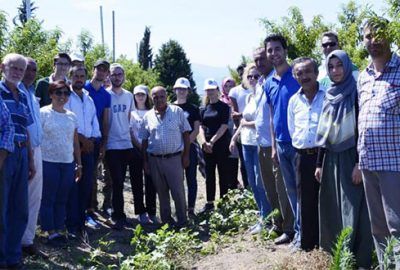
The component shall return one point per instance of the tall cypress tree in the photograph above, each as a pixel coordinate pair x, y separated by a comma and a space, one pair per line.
171, 63
145, 57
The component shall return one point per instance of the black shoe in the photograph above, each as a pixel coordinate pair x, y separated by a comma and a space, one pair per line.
30, 250
58, 241
208, 207
283, 239
119, 225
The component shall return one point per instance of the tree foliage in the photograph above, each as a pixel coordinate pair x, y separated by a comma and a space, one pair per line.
85, 41
22, 16
172, 63
301, 38
145, 57
3, 31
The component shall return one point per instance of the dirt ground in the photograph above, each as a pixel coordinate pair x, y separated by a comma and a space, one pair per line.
239, 252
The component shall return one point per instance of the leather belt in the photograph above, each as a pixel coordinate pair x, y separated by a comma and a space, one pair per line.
166, 155
20, 144
308, 151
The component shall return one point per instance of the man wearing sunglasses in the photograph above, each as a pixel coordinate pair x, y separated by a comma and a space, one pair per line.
329, 43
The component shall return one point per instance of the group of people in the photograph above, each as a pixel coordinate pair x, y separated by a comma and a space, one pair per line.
319, 143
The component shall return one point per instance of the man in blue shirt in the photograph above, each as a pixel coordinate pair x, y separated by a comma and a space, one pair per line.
35, 136
279, 88
18, 166
304, 110
102, 101
271, 174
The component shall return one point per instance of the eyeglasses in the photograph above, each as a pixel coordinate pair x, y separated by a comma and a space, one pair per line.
329, 44
59, 93
63, 64
255, 77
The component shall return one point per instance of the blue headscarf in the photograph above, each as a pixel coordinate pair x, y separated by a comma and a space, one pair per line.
337, 124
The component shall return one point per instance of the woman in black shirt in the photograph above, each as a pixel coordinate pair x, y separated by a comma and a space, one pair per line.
216, 138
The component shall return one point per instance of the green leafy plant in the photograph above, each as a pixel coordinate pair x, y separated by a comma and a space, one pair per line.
343, 258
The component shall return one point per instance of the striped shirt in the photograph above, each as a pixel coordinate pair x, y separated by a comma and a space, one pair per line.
6, 129
164, 135
20, 112
379, 117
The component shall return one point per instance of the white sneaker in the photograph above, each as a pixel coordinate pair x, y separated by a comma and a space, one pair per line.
91, 223
256, 229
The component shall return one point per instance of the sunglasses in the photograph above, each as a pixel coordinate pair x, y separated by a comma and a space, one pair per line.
59, 93
329, 44
255, 77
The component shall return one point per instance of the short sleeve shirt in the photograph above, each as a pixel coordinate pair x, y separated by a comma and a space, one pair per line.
164, 136
101, 99
58, 135
278, 94
213, 116
192, 113
240, 94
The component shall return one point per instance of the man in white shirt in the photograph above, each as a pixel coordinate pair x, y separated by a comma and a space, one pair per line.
83, 106
304, 110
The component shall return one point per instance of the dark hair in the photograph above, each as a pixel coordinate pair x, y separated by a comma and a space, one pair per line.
60, 84
276, 37
61, 55
305, 59
241, 67
75, 69
330, 34
148, 102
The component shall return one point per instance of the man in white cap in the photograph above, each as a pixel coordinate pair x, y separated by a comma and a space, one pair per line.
77, 59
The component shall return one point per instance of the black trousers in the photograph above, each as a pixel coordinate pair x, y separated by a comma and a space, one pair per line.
308, 189
219, 159
136, 177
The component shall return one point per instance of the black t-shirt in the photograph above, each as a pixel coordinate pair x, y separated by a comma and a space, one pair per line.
192, 113
213, 116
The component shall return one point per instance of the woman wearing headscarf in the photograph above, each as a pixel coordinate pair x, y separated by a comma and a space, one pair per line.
342, 199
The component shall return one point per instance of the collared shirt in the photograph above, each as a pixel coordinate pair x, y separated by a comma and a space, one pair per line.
278, 94
164, 135
262, 124
20, 113
6, 128
379, 117
101, 99
85, 112
303, 118
35, 130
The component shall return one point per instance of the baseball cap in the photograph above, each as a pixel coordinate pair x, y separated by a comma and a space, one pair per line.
102, 62
141, 89
210, 84
77, 57
182, 83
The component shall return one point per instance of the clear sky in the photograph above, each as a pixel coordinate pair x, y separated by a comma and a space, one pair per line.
212, 32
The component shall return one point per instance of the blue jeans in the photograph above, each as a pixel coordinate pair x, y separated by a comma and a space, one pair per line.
58, 179
191, 177
287, 162
250, 156
13, 205
80, 194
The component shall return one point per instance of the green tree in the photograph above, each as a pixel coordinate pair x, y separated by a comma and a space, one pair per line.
350, 18
301, 38
22, 16
171, 63
95, 53
32, 40
3, 31
135, 74
145, 56
85, 41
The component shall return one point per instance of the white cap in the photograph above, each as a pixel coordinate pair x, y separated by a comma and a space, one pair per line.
141, 89
182, 83
77, 57
210, 84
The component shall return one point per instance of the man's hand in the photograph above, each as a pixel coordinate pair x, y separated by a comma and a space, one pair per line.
236, 115
78, 173
317, 174
274, 156
32, 170
356, 175
185, 161
146, 167
207, 147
